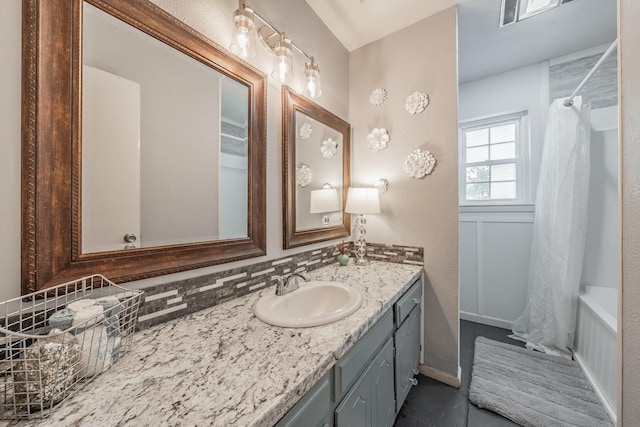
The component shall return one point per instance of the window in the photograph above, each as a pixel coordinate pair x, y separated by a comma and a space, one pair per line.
494, 161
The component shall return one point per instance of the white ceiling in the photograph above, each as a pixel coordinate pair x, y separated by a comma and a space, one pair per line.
484, 48
358, 22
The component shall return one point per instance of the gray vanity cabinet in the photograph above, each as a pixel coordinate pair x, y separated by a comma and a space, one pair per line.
407, 339
371, 400
369, 384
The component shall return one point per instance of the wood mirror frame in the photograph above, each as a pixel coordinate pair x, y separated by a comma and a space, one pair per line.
292, 103
51, 148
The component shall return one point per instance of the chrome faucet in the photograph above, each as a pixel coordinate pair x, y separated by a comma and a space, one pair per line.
285, 285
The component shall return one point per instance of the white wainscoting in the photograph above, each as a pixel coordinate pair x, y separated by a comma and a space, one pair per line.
494, 250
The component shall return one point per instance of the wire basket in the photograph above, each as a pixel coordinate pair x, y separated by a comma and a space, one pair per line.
53, 342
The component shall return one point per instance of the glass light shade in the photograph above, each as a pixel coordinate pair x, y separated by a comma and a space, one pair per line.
324, 200
243, 39
282, 63
312, 86
363, 201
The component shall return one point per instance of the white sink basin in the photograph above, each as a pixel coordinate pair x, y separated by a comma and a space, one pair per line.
315, 303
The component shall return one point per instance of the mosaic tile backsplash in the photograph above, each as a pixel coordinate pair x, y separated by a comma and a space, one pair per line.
168, 301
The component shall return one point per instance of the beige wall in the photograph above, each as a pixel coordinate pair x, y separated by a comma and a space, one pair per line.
421, 212
629, 319
10, 75
214, 19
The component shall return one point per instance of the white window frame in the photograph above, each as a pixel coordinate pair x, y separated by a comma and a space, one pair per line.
522, 160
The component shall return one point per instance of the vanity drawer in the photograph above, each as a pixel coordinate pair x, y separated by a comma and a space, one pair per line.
313, 409
407, 302
348, 369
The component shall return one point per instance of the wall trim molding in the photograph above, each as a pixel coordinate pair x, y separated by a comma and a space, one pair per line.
486, 320
610, 410
443, 377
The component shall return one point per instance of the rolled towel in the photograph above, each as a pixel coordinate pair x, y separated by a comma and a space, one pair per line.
88, 316
97, 351
80, 304
112, 307
62, 319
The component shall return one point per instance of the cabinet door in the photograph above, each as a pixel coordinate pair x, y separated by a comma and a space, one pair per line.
407, 339
313, 409
382, 387
355, 408
371, 400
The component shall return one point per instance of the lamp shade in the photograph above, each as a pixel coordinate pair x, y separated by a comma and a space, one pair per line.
324, 200
282, 62
362, 201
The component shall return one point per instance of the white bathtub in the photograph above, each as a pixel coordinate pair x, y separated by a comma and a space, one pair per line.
596, 348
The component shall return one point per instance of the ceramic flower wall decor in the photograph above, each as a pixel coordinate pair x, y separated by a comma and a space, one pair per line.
329, 148
378, 139
377, 97
417, 102
305, 131
303, 175
419, 163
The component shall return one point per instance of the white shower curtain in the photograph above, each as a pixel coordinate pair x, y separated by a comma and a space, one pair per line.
548, 322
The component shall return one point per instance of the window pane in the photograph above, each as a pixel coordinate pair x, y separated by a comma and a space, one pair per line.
477, 137
503, 190
505, 133
477, 174
478, 154
503, 172
478, 191
503, 151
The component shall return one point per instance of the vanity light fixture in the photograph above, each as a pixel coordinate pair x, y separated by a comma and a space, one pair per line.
282, 62
243, 45
362, 201
243, 39
312, 86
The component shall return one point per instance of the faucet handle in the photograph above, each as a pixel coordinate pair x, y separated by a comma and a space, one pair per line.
302, 272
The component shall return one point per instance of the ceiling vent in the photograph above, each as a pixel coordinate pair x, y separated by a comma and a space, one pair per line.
512, 11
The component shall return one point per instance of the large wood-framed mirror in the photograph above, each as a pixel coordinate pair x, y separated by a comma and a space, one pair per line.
316, 158
144, 145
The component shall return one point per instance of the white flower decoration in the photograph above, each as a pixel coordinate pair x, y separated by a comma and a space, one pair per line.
419, 163
378, 139
329, 148
305, 131
417, 102
377, 97
303, 175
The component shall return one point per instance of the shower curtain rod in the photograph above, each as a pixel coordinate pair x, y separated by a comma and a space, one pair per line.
569, 101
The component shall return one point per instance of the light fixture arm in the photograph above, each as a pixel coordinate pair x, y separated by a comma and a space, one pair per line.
275, 32
277, 42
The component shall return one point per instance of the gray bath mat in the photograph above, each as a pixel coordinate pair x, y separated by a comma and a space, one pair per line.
533, 389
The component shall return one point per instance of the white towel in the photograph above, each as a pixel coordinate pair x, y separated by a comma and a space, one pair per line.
97, 350
80, 304
91, 315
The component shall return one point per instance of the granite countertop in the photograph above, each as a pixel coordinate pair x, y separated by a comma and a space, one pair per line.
224, 367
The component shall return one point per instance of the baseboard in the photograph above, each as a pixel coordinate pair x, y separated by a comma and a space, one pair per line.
610, 410
443, 377
486, 320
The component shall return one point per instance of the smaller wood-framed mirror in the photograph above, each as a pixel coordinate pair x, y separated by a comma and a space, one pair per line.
316, 157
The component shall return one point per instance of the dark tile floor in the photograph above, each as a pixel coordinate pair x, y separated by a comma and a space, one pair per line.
432, 403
